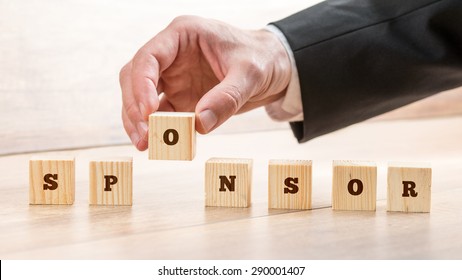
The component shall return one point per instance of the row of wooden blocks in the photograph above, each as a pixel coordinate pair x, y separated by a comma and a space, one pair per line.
228, 183
172, 136
354, 185
52, 181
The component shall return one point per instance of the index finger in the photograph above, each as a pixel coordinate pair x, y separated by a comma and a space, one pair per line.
148, 63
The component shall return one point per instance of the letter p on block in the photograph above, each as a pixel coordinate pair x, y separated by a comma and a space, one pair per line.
172, 136
111, 181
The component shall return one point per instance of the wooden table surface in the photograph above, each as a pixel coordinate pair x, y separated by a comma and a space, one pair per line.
168, 219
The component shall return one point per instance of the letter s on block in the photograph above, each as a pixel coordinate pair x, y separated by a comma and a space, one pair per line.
50, 182
290, 184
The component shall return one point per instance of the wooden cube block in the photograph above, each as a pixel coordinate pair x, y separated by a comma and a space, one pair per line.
228, 182
354, 185
51, 180
409, 187
289, 184
111, 181
172, 136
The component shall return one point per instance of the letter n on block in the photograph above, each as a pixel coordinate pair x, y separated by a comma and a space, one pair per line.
172, 136
354, 185
289, 184
51, 180
111, 181
409, 187
228, 182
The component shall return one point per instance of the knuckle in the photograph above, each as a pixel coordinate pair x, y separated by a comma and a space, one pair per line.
124, 72
139, 57
185, 21
132, 111
183, 18
126, 122
254, 69
235, 97
127, 126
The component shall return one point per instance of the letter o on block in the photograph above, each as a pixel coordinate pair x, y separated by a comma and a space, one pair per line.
172, 136
354, 185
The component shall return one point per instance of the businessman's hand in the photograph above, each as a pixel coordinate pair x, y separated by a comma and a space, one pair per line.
202, 66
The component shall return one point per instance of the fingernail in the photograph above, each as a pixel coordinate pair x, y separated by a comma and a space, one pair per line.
135, 138
208, 119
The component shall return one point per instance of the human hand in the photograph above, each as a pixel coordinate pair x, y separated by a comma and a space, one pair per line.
202, 66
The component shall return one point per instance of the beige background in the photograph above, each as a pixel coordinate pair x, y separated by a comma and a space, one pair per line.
59, 65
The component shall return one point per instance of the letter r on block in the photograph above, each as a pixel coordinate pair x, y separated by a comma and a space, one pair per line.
409, 187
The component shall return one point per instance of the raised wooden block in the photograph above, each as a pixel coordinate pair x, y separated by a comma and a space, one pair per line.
228, 182
289, 184
409, 187
51, 180
354, 185
172, 136
111, 181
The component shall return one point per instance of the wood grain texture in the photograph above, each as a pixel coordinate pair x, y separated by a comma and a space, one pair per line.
51, 180
289, 184
172, 136
404, 177
354, 185
168, 219
228, 182
111, 181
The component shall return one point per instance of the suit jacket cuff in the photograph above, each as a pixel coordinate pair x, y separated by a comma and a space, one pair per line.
289, 107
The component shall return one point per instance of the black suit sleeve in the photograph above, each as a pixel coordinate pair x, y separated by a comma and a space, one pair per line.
360, 58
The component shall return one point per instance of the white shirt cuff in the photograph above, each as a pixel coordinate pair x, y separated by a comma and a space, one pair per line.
289, 107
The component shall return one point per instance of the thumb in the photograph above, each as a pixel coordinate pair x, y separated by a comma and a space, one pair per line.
221, 102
